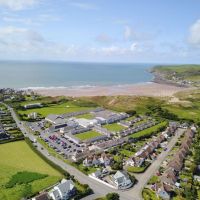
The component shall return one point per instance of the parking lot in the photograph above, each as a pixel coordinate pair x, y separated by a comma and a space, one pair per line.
62, 145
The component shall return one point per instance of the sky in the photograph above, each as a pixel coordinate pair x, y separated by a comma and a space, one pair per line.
166, 31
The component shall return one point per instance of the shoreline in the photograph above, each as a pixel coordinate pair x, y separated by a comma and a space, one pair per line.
143, 89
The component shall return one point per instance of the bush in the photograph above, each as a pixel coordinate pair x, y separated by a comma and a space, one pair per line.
112, 196
24, 178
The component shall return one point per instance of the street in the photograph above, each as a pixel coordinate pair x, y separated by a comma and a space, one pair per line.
100, 189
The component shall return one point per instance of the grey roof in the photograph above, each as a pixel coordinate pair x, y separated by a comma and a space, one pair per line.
66, 186
56, 194
56, 119
121, 176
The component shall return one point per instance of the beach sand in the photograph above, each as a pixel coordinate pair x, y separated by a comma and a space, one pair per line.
146, 89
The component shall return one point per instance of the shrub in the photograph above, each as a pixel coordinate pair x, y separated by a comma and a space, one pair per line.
112, 196
24, 177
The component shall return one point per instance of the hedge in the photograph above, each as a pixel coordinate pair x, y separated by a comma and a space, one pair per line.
12, 140
61, 170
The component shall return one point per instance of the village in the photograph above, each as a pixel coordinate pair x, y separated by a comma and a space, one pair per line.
114, 149
88, 143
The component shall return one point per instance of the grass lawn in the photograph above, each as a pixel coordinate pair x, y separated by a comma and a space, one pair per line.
135, 169
149, 131
149, 195
18, 157
126, 153
131, 118
114, 127
153, 180
56, 109
87, 135
86, 116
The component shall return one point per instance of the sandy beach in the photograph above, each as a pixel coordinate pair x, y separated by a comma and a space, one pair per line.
146, 89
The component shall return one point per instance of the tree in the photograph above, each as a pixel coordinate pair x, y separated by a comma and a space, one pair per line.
112, 196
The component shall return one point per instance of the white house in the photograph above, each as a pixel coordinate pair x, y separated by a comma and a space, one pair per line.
63, 191
122, 180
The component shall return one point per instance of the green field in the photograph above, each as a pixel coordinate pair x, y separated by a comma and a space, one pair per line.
56, 109
87, 135
149, 131
17, 157
114, 127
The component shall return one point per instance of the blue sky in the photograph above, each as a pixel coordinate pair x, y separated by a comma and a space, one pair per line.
100, 30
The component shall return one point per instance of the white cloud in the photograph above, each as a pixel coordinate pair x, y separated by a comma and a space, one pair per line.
133, 35
17, 4
194, 35
84, 6
18, 43
116, 50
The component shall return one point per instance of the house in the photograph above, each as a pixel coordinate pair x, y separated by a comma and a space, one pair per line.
135, 161
176, 164
94, 160
169, 177
63, 190
97, 174
105, 159
122, 180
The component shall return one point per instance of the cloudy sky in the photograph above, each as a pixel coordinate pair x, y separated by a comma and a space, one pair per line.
100, 30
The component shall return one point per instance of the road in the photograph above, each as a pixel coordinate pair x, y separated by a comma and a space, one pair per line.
98, 188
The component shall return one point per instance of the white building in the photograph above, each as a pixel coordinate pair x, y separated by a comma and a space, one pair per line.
122, 180
86, 123
63, 191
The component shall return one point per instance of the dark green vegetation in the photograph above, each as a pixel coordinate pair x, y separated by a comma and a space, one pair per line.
24, 177
110, 196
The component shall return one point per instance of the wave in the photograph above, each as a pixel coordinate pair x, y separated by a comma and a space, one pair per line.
77, 87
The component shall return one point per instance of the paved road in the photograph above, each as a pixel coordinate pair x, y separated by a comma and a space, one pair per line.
100, 189
144, 177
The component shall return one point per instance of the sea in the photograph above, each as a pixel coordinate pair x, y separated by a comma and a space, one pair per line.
41, 75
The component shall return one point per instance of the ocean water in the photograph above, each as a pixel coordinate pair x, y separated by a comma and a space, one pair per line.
67, 74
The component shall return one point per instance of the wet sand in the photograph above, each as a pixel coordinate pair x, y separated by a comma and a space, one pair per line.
146, 89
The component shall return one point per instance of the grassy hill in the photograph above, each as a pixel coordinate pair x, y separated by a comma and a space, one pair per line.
182, 72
